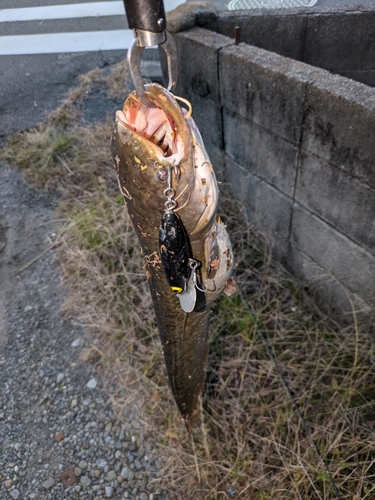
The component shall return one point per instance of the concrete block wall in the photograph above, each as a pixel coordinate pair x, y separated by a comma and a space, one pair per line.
338, 38
295, 143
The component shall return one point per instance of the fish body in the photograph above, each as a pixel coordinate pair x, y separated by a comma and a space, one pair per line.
146, 144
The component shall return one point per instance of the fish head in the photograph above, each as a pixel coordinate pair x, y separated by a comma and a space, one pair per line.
148, 141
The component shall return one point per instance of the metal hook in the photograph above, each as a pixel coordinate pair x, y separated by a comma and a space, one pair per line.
193, 264
176, 171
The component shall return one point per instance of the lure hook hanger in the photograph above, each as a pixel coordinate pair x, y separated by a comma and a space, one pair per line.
148, 21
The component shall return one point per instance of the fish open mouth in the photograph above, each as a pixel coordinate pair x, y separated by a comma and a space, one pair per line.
154, 125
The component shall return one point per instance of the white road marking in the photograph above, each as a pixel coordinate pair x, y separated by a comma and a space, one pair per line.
94, 9
70, 11
55, 43
88, 41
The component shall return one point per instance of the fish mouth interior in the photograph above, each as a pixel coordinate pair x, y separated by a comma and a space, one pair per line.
153, 124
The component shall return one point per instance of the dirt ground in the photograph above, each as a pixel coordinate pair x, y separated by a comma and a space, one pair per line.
26, 233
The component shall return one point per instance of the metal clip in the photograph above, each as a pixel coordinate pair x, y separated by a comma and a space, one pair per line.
149, 39
169, 192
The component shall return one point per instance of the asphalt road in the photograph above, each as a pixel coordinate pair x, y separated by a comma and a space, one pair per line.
32, 83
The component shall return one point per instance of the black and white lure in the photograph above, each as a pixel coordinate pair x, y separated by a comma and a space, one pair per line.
175, 251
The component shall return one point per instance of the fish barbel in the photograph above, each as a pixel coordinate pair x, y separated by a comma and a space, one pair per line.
146, 143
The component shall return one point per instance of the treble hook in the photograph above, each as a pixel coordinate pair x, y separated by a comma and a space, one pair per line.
193, 264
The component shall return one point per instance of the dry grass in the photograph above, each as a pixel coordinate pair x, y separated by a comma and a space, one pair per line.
250, 442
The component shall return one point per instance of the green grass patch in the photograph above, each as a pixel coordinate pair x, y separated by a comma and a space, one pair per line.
45, 151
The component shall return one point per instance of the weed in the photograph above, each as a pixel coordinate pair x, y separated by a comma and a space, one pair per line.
45, 150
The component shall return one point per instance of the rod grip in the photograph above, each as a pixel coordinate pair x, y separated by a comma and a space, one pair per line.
148, 15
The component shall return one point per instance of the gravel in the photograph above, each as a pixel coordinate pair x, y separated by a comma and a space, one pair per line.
60, 438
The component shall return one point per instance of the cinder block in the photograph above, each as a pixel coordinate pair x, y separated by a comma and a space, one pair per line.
238, 179
339, 124
264, 88
367, 76
342, 40
332, 37
198, 61
267, 208
276, 32
342, 259
328, 292
346, 203
261, 152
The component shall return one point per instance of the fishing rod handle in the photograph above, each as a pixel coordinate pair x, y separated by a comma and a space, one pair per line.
146, 15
